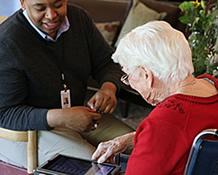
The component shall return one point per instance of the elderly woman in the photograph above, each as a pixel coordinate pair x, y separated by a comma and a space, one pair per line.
157, 62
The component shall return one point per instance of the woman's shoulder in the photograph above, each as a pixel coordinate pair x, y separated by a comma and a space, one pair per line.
171, 105
209, 78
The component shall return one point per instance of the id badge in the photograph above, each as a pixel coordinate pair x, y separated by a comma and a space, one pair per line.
65, 99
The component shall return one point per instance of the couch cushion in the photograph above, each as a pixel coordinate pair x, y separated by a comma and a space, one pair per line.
139, 15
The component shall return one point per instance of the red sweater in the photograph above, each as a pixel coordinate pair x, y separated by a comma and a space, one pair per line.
163, 140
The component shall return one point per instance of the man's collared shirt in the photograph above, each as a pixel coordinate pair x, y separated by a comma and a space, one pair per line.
63, 28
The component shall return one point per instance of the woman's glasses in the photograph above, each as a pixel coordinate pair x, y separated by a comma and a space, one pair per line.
124, 79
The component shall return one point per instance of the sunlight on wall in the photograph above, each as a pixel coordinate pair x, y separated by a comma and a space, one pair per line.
8, 7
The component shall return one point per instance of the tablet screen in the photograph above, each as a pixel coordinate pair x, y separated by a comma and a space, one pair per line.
74, 166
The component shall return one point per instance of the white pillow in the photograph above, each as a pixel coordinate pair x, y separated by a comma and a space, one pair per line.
138, 15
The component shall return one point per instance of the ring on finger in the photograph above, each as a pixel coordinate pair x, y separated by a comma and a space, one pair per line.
95, 125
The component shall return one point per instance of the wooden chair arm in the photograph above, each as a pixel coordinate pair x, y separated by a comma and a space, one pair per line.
32, 151
24, 136
19, 136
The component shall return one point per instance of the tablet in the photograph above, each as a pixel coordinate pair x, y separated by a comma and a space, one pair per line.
65, 165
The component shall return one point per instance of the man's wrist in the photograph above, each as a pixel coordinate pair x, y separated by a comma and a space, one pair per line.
53, 118
109, 86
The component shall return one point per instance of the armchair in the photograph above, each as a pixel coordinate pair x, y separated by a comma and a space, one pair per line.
20, 136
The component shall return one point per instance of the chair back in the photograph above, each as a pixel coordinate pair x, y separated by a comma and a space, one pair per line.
105, 11
203, 157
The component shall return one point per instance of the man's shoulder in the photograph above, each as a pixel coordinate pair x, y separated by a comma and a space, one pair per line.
10, 27
6, 26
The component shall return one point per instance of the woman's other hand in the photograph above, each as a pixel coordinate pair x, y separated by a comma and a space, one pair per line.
106, 151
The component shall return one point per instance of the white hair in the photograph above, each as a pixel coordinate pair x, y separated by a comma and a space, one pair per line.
160, 48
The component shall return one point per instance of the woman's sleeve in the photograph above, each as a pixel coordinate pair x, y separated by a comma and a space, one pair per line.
158, 145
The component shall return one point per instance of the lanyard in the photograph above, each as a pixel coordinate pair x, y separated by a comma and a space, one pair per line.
63, 81
65, 92
57, 59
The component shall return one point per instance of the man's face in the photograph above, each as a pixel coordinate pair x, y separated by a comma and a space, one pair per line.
47, 15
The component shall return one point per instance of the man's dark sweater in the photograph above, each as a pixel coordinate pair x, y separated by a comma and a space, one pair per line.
30, 68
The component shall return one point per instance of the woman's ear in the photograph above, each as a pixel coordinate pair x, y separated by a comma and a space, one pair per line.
147, 75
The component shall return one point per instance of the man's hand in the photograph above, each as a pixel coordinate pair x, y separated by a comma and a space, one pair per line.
77, 118
104, 100
107, 150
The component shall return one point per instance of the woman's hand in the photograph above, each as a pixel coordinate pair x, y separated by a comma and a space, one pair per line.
107, 150
104, 100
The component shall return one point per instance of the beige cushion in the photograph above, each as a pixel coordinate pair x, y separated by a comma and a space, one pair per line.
138, 15
108, 30
2, 18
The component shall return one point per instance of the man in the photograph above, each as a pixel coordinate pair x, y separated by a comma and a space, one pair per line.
47, 53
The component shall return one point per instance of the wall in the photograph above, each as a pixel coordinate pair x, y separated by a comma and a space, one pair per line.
8, 7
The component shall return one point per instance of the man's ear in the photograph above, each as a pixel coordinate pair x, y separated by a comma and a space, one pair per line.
22, 4
146, 75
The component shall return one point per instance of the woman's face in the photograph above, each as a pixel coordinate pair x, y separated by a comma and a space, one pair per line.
140, 81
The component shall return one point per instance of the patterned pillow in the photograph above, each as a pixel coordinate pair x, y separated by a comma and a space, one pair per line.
108, 30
